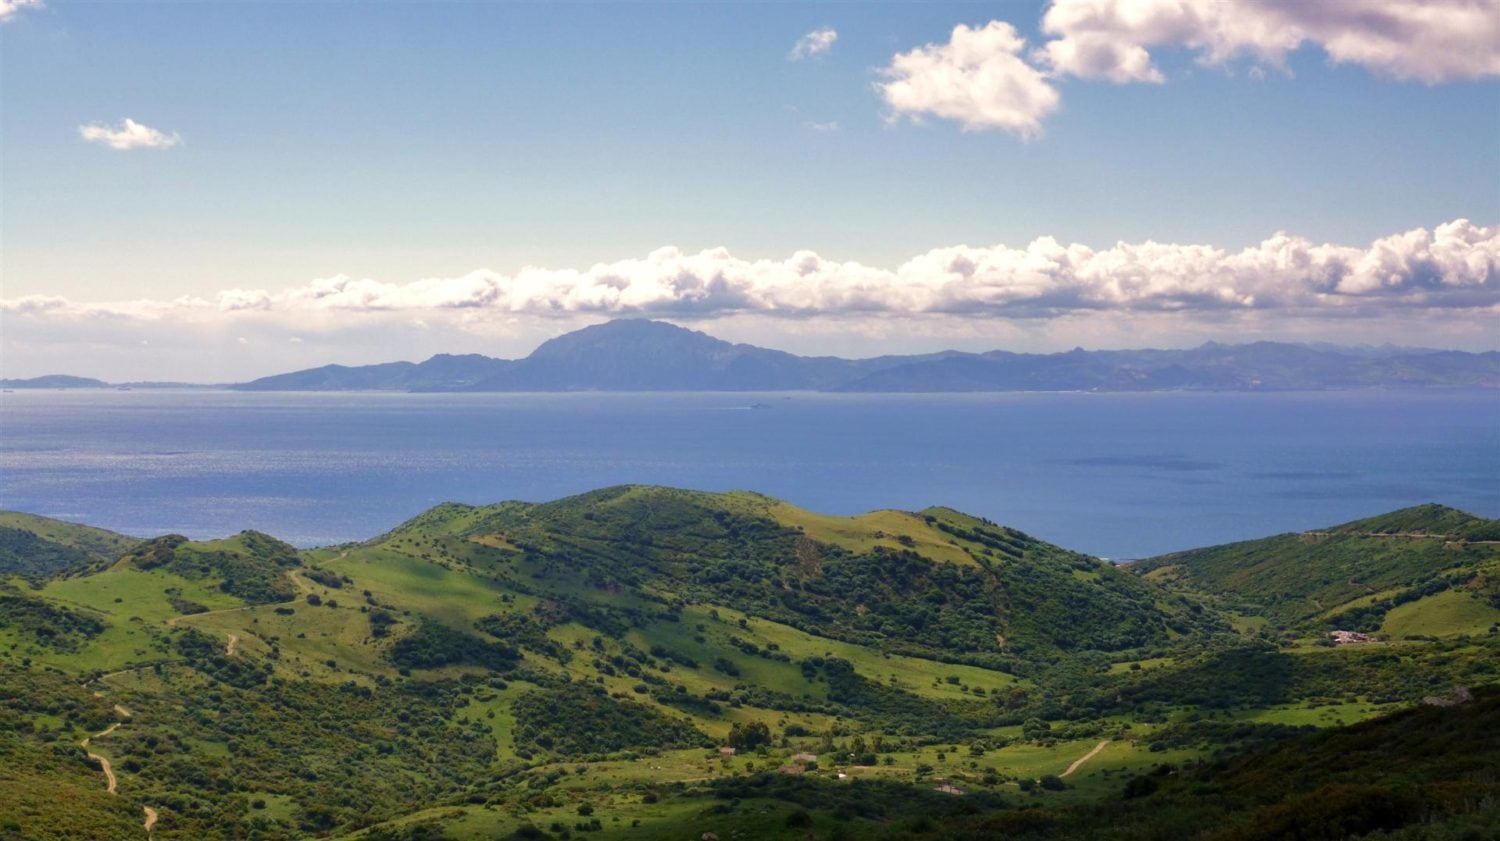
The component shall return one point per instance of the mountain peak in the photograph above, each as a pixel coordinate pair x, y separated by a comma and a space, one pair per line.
625, 332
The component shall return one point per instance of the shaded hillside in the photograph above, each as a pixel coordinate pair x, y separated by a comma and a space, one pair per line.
39, 547
1348, 576
1429, 770
642, 355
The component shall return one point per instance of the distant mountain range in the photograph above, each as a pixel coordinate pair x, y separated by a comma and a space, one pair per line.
642, 355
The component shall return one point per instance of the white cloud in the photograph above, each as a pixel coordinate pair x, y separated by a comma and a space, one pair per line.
1431, 41
985, 78
821, 128
129, 134
1452, 267
978, 78
9, 8
814, 43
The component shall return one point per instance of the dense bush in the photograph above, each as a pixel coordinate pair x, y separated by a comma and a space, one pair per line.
576, 719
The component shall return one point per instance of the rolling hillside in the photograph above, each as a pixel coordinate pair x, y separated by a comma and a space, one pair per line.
578, 668
1356, 576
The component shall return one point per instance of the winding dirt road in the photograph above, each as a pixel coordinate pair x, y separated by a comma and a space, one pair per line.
111, 784
109, 771
1078, 763
229, 649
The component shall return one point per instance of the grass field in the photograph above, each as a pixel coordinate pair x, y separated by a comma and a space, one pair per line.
1445, 614
878, 528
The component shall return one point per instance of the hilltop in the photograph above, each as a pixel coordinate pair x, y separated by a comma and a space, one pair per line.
580, 668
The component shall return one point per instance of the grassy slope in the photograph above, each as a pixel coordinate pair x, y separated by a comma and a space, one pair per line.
1296, 579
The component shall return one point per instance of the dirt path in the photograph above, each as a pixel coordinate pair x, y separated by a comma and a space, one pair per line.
1078, 763
109, 771
150, 818
173, 622
229, 649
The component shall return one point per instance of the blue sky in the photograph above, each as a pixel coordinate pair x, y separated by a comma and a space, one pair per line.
393, 142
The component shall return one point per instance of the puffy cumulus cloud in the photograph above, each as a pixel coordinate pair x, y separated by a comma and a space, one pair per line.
986, 78
129, 134
1453, 266
1427, 40
814, 43
979, 79
9, 8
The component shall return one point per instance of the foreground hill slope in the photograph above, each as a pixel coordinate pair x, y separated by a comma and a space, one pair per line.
1360, 576
579, 668
1426, 772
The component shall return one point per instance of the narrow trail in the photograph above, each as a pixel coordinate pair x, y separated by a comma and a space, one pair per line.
111, 783
229, 649
175, 620
1078, 763
109, 772
109, 675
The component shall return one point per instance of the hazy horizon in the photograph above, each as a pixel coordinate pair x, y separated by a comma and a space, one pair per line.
146, 377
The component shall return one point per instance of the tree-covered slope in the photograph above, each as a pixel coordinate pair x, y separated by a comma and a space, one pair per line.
1348, 576
38, 547
1421, 773
251, 565
936, 582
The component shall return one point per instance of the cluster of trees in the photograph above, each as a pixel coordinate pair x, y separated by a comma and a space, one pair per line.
49, 625
574, 719
432, 644
250, 565
29, 555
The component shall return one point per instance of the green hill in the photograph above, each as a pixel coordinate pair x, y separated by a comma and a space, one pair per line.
572, 669
1353, 576
39, 547
938, 583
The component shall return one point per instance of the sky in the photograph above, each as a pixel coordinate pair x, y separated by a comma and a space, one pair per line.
211, 191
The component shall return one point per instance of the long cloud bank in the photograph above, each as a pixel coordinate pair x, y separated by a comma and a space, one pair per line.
1451, 267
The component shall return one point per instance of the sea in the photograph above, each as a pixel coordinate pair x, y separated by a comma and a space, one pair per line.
1121, 476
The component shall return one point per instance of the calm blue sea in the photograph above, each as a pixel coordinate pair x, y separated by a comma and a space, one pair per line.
1118, 475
